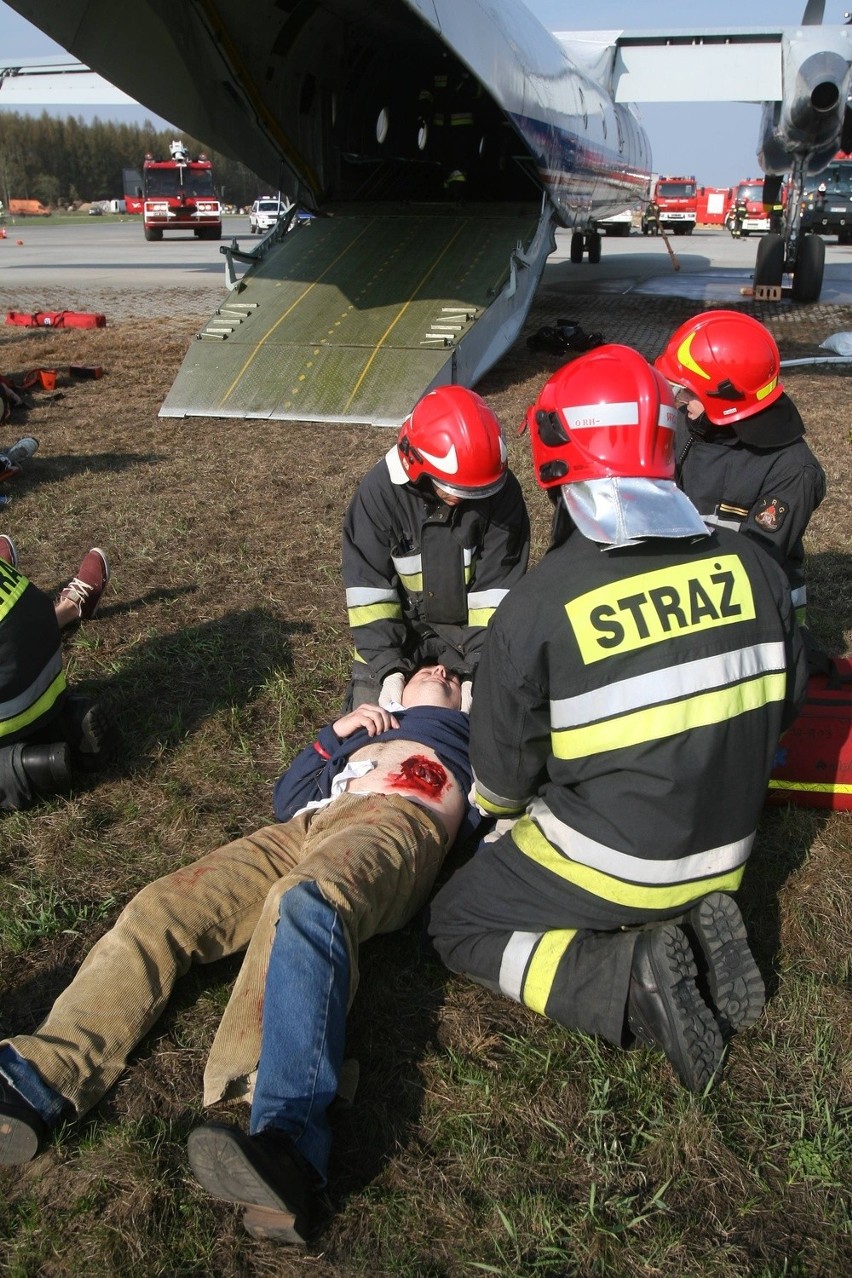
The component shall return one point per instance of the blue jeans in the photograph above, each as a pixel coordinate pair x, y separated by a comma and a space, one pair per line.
28, 1083
304, 1024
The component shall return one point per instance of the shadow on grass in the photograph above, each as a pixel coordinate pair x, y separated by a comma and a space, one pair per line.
168, 685
59, 467
829, 599
785, 837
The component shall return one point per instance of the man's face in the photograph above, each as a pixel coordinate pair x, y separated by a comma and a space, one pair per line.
432, 686
448, 498
684, 398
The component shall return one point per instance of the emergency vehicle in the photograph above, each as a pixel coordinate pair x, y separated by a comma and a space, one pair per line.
827, 203
178, 195
676, 199
754, 216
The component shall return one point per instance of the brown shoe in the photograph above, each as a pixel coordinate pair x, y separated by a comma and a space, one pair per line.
85, 590
265, 1173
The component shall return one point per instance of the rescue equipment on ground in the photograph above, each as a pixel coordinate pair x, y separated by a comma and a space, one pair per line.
565, 337
813, 762
56, 319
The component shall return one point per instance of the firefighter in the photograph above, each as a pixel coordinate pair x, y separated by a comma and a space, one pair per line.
433, 539
738, 218
629, 701
451, 104
741, 454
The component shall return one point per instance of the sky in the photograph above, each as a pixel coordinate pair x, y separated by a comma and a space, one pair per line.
716, 142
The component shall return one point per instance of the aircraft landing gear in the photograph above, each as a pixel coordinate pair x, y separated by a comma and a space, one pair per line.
809, 269
586, 242
802, 254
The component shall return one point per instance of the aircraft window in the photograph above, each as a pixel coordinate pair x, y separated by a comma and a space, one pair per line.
619, 131
382, 125
583, 107
603, 123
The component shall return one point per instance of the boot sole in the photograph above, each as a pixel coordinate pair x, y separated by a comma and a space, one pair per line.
19, 1139
698, 1047
733, 978
223, 1167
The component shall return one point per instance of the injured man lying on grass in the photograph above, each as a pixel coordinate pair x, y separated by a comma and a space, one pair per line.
367, 814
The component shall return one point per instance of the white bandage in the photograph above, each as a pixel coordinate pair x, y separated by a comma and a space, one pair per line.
390, 697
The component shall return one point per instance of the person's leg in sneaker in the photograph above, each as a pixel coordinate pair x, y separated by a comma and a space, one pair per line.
8, 550
80, 599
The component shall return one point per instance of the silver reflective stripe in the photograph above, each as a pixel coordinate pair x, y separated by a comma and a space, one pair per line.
499, 800
683, 680
358, 596
636, 869
799, 596
516, 957
716, 520
407, 565
485, 598
17, 705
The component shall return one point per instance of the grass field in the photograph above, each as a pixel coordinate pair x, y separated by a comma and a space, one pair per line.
483, 1139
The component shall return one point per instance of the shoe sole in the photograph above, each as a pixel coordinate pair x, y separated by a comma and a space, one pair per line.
734, 981
19, 1141
222, 1166
696, 1035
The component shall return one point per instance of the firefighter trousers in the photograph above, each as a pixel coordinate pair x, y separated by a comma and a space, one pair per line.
487, 923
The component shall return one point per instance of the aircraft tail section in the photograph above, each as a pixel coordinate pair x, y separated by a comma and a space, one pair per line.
352, 316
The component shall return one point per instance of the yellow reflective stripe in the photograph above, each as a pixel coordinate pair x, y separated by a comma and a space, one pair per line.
659, 721
495, 809
542, 969
37, 709
368, 613
413, 582
533, 844
10, 576
356, 656
480, 616
683, 599
812, 787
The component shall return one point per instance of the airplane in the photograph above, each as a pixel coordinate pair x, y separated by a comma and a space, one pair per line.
438, 144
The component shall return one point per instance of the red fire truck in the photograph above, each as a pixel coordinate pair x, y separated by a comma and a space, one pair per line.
676, 202
178, 195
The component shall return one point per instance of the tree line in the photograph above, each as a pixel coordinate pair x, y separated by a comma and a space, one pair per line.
66, 161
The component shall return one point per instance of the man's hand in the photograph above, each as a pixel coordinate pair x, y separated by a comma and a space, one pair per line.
374, 718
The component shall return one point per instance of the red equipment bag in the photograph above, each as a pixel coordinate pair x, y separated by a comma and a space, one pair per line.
813, 762
56, 319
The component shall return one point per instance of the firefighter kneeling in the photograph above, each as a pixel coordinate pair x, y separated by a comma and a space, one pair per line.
630, 696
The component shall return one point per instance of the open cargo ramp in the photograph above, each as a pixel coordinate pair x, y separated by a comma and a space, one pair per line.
352, 316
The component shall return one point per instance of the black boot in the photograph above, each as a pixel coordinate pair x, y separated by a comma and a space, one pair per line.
89, 731
47, 768
665, 1008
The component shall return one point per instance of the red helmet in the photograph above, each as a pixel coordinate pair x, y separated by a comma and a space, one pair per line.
608, 413
729, 361
452, 436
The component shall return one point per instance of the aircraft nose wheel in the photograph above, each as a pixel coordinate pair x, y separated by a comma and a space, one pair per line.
809, 269
769, 266
586, 241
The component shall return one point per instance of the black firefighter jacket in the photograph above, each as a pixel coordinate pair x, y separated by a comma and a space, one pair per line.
629, 703
422, 578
